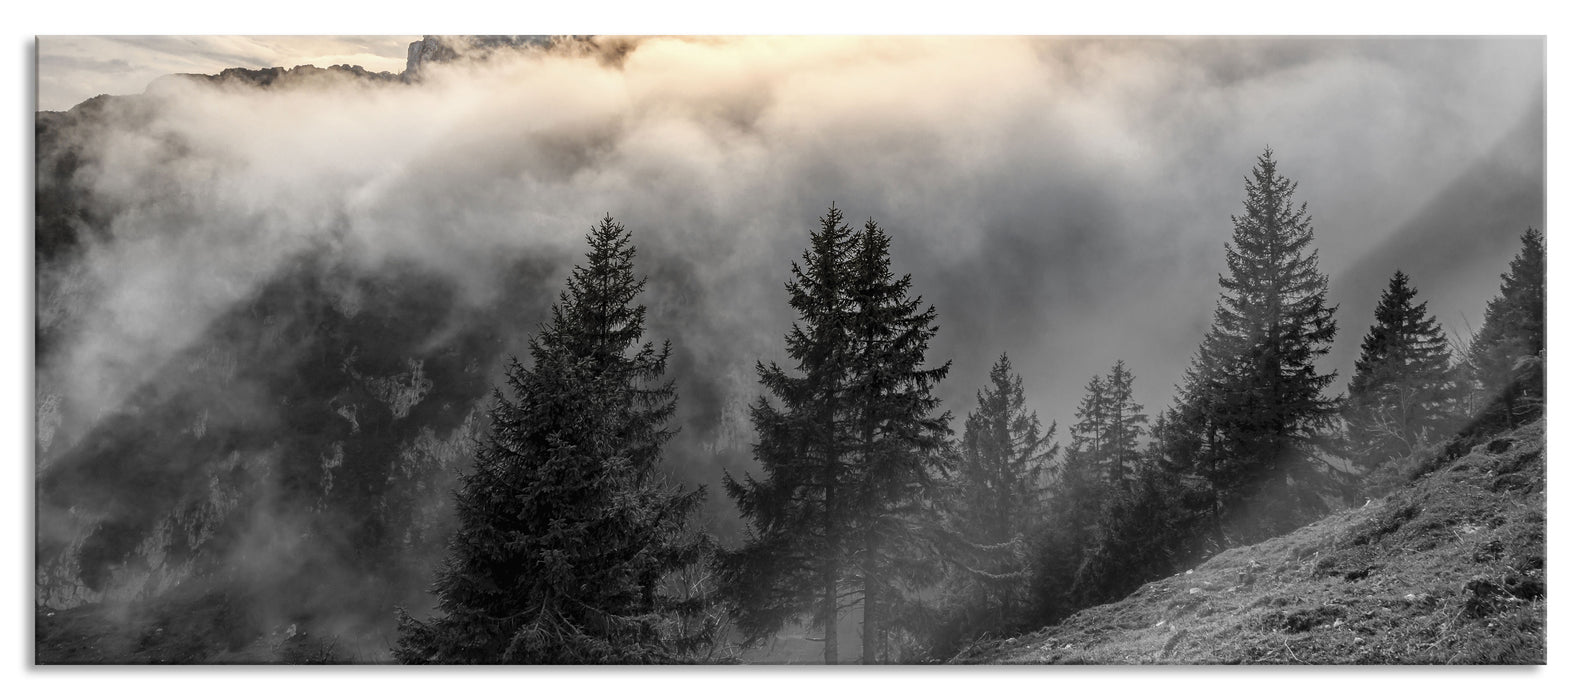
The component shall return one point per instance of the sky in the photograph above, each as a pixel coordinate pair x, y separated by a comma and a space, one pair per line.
74, 68
1064, 200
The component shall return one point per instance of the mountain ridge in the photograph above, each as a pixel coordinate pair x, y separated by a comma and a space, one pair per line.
430, 50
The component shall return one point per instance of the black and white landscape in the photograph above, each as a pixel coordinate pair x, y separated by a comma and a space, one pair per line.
637, 350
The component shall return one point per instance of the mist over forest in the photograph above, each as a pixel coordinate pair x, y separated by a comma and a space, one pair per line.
272, 306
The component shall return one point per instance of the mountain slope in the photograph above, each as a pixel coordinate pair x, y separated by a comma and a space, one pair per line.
1448, 569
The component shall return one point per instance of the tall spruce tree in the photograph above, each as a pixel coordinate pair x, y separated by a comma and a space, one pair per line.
1508, 353
1254, 422
900, 437
1005, 456
566, 532
848, 449
1400, 395
790, 566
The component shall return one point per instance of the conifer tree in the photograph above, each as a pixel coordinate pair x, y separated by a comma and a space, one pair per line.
899, 436
1087, 432
1253, 421
1104, 456
1508, 353
1118, 455
1083, 480
791, 564
1005, 455
849, 449
1399, 396
566, 532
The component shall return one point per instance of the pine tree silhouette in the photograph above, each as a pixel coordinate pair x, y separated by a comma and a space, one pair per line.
566, 532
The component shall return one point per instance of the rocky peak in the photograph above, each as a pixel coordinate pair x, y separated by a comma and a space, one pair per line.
439, 49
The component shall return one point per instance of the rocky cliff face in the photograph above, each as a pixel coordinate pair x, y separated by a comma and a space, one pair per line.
439, 49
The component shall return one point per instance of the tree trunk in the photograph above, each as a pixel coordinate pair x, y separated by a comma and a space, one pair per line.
831, 581
831, 547
1222, 541
1005, 606
870, 599
870, 551
831, 643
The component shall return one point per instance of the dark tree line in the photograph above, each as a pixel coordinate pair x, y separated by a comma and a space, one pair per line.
862, 504
1101, 468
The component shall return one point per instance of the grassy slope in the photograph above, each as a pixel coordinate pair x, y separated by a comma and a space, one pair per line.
1450, 568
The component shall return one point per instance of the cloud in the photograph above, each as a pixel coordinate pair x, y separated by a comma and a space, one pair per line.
1063, 199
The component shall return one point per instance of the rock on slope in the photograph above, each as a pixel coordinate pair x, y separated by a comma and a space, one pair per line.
1448, 569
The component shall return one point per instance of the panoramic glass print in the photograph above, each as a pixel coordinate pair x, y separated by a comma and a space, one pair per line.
815, 350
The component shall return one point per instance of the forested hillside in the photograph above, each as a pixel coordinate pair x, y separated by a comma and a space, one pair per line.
1449, 568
